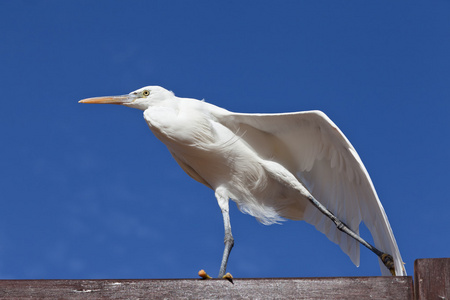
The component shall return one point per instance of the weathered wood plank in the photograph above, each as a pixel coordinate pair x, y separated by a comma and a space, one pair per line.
398, 288
432, 278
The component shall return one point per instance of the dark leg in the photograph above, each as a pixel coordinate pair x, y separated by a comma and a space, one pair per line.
385, 258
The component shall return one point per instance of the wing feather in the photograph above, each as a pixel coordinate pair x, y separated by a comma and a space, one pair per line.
313, 148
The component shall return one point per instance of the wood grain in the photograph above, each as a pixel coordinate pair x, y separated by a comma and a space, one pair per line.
432, 278
267, 288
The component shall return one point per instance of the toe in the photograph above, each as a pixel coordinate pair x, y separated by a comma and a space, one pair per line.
203, 274
228, 277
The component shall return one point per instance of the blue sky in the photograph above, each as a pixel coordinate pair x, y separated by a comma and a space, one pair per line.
88, 192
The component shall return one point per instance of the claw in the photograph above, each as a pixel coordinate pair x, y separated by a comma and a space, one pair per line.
203, 274
228, 277
388, 262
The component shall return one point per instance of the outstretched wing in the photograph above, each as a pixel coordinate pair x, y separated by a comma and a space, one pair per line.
313, 148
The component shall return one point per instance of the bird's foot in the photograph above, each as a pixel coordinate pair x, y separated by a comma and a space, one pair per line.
204, 275
228, 277
388, 262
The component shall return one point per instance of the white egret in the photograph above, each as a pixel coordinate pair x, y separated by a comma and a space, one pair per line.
296, 166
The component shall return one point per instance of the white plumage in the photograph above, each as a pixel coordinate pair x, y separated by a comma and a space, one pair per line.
269, 164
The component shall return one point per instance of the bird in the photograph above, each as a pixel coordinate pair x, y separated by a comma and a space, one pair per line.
275, 167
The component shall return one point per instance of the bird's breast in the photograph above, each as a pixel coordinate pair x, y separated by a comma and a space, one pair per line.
207, 150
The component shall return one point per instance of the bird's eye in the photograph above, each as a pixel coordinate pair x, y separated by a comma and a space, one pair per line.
145, 93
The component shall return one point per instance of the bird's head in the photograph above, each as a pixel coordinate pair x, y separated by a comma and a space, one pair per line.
141, 99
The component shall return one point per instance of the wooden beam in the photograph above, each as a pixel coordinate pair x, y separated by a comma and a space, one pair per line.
432, 278
397, 288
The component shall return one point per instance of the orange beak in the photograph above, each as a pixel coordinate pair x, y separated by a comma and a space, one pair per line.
124, 99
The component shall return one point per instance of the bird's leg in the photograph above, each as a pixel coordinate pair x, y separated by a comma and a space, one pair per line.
228, 240
229, 243
385, 258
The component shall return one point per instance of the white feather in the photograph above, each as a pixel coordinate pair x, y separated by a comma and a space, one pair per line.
269, 164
